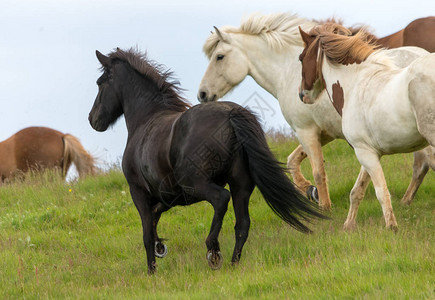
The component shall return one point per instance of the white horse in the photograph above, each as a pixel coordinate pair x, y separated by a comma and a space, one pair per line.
386, 109
267, 48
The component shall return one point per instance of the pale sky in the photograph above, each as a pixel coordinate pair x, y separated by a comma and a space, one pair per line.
48, 67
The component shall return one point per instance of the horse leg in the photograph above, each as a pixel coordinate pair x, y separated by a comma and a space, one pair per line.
419, 170
160, 248
241, 192
370, 161
142, 202
356, 195
294, 161
313, 147
219, 198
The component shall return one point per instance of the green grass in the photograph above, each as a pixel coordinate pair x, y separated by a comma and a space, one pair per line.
83, 240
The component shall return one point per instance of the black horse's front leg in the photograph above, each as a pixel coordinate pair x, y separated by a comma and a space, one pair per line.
160, 248
142, 201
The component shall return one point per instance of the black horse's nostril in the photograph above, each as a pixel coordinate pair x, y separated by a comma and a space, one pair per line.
301, 96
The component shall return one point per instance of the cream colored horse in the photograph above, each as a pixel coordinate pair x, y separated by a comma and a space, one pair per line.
267, 47
386, 109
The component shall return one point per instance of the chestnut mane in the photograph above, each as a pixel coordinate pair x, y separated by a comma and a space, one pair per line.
340, 45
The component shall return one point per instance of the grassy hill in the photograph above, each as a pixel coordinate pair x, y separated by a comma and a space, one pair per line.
83, 240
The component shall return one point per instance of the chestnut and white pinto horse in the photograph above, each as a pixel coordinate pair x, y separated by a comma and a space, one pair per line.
385, 109
267, 47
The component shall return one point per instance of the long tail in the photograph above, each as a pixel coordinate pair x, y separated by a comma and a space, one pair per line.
269, 175
75, 153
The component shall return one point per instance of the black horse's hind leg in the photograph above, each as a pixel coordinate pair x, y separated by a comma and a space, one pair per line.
142, 202
241, 187
219, 199
241, 194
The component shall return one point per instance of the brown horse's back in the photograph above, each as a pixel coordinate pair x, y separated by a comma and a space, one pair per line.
31, 148
420, 33
38, 147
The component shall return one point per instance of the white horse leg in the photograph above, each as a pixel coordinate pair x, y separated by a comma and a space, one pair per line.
370, 161
356, 195
419, 170
314, 151
294, 161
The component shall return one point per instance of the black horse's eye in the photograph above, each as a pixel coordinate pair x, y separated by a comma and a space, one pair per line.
220, 57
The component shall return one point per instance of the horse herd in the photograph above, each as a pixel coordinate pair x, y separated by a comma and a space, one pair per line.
331, 82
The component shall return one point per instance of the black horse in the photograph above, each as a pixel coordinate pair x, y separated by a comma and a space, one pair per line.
180, 156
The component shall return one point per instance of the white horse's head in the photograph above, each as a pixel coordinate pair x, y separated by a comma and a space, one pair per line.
227, 68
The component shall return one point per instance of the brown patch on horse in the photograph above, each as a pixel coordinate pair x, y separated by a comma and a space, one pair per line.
338, 97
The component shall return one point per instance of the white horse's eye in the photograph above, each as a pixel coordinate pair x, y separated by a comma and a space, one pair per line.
220, 57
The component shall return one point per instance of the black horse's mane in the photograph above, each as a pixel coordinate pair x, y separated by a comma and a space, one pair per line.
158, 73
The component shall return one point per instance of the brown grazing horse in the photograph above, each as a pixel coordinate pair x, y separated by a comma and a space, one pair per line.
37, 148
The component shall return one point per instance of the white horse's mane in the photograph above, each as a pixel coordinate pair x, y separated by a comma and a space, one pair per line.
279, 30
380, 57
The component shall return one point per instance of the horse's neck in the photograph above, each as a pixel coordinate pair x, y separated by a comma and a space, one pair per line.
354, 76
140, 107
339, 77
273, 70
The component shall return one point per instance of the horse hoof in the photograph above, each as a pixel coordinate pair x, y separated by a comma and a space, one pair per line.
160, 250
393, 227
215, 259
312, 194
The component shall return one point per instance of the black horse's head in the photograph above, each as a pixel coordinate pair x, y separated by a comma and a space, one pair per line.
107, 107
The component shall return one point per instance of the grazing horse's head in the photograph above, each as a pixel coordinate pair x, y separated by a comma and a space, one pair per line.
335, 42
228, 67
107, 107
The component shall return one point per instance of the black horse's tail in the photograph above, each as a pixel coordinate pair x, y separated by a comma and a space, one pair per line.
269, 175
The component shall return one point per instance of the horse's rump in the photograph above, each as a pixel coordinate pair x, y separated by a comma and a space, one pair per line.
38, 147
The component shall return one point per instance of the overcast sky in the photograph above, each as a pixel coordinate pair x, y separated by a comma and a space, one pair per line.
48, 67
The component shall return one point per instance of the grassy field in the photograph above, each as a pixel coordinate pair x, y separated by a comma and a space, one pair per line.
83, 241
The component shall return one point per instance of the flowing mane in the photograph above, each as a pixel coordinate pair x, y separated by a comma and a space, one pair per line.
278, 30
338, 44
162, 77
354, 28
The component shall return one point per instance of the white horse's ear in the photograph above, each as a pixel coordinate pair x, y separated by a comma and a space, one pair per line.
305, 36
224, 37
103, 59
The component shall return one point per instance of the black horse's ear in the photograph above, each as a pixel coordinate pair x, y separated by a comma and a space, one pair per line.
103, 59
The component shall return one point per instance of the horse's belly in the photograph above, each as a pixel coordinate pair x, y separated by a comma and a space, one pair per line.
387, 139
